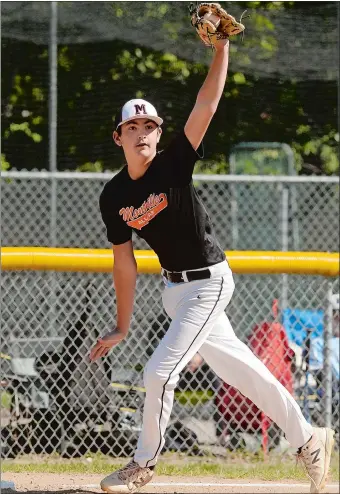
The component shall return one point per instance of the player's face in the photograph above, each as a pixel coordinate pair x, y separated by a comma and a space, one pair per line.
140, 138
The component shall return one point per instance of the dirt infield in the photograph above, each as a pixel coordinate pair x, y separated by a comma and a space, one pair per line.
80, 483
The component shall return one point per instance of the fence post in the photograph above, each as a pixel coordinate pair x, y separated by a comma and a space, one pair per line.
52, 115
52, 124
284, 242
327, 367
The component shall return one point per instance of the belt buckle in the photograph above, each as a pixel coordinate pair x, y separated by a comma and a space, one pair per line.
184, 276
167, 274
176, 277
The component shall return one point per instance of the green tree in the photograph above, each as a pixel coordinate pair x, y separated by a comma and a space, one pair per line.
4, 163
94, 79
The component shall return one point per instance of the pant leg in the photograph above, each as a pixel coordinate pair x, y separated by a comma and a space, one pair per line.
236, 365
194, 308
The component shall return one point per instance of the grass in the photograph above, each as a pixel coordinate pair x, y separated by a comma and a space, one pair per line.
184, 397
237, 467
5, 399
194, 397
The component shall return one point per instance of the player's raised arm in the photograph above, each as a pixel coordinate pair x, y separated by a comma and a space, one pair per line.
214, 26
208, 96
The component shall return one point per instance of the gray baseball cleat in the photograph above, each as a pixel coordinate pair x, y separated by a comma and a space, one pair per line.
316, 456
128, 479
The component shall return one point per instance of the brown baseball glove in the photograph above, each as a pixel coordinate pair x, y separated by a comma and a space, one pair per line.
213, 23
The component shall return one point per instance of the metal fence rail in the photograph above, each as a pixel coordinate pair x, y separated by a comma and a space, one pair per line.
54, 400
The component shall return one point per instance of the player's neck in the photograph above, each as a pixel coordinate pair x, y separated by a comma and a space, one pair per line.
138, 167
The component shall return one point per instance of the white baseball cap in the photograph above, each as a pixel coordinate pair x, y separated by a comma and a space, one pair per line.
137, 108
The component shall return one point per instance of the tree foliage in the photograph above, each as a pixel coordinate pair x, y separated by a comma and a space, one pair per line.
95, 79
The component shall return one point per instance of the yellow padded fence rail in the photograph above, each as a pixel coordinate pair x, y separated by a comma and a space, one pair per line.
101, 261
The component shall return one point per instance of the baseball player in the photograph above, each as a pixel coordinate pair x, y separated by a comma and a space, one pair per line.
154, 196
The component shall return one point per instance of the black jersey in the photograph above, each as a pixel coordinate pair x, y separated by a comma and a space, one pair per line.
163, 208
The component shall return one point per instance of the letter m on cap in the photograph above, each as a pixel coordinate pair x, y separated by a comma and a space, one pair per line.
140, 109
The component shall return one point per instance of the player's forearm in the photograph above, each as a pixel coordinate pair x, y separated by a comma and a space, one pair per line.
125, 282
212, 89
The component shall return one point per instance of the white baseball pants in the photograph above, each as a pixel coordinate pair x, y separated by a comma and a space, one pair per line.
199, 324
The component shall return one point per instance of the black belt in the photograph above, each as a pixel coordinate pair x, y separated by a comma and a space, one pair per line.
177, 277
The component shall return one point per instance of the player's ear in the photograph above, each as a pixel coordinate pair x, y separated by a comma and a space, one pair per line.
159, 133
116, 138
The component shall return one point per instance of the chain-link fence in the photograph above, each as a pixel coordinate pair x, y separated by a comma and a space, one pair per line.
54, 400
248, 213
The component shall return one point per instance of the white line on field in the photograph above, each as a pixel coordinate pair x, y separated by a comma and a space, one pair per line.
206, 484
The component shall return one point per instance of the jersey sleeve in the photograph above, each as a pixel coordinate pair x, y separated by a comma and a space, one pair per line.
117, 231
178, 159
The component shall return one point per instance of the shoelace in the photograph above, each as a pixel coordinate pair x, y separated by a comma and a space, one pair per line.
126, 471
130, 471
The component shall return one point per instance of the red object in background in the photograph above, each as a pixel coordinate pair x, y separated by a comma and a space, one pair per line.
269, 342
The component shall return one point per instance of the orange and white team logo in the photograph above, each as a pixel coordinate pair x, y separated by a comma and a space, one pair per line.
140, 217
